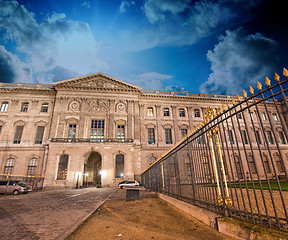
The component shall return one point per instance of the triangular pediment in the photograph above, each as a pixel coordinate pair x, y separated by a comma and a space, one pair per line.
96, 81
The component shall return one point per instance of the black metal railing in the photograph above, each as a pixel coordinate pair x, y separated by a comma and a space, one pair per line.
235, 162
36, 182
93, 140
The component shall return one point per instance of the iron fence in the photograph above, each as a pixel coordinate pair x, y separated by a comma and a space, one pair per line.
235, 162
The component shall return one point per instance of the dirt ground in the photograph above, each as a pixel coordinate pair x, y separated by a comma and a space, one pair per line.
147, 218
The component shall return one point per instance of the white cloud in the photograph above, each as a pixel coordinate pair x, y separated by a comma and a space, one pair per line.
56, 43
240, 60
125, 4
149, 81
86, 4
12, 69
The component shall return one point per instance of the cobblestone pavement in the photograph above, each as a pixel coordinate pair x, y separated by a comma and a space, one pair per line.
50, 214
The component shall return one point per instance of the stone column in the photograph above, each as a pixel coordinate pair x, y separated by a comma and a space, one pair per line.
130, 119
136, 122
142, 128
158, 129
190, 118
175, 125
111, 118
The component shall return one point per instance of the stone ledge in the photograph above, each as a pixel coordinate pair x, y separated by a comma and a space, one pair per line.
231, 227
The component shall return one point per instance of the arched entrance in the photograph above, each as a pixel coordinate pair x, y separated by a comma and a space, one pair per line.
92, 168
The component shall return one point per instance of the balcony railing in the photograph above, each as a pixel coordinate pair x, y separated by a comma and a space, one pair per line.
94, 140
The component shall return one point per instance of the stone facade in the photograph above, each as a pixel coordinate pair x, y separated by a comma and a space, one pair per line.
92, 130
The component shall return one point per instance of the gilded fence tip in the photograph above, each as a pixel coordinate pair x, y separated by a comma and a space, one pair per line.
219, 110
251, 90
228, 104
244, 94
233, 101
238, 97
259, 86
223, 106
268, 81
277, 77
285, 72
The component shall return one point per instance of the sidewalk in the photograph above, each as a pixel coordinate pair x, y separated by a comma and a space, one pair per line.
148, 218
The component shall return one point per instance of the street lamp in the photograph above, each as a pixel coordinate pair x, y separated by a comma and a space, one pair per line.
77, 176
85, 179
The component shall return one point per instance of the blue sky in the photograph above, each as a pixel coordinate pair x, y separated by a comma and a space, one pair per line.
218, 47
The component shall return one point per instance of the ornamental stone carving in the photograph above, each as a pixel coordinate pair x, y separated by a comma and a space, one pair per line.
99, 106
99, 83
74, 106
120, 107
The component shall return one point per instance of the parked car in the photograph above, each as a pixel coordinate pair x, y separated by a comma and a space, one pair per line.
128, 183
14, 186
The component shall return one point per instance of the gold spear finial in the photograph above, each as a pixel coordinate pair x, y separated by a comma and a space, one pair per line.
277, 77
259, 86
244, 94
238, 97
223, 106
233, 101
228, 104
268, 81
251, 90
285, 72
219, 110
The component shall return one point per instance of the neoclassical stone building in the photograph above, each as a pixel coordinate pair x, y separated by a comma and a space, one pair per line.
92, 130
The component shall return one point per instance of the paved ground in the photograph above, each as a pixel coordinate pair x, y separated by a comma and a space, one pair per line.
50, 214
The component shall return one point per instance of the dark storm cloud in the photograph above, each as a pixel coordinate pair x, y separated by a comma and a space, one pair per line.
240, 60
12, 69
52, 44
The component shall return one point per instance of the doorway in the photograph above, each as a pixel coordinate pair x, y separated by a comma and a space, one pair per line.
92, 169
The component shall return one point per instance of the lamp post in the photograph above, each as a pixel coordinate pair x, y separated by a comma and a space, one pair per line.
77, 176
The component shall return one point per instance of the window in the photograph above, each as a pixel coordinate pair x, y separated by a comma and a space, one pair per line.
269, 136
244, 136
230, 137
257, 136
24, 107
239, 116
239, 167
279, 164
275, 117
39, 135
9, 166
44, 107
72, 131
196, 112
150, 112
119, 166
18, 134
4, 106
166, 112
151, 136
183, 132
281, 135
263, 116
252, 164
168, 136
62, 167
266, 164
251, 116
200, 139
32, 166
152, 159
0, 129
97, 130
120, 133
181, 112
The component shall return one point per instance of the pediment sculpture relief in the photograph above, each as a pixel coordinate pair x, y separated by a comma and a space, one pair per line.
98, 106
98, 83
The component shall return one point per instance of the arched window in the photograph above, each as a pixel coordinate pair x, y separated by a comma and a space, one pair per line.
119, 166
239, 167
62, 167
9, 166
252, 164
152, 159
32, 166
279, 163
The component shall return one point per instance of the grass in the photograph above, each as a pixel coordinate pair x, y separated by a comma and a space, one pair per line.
273, 185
